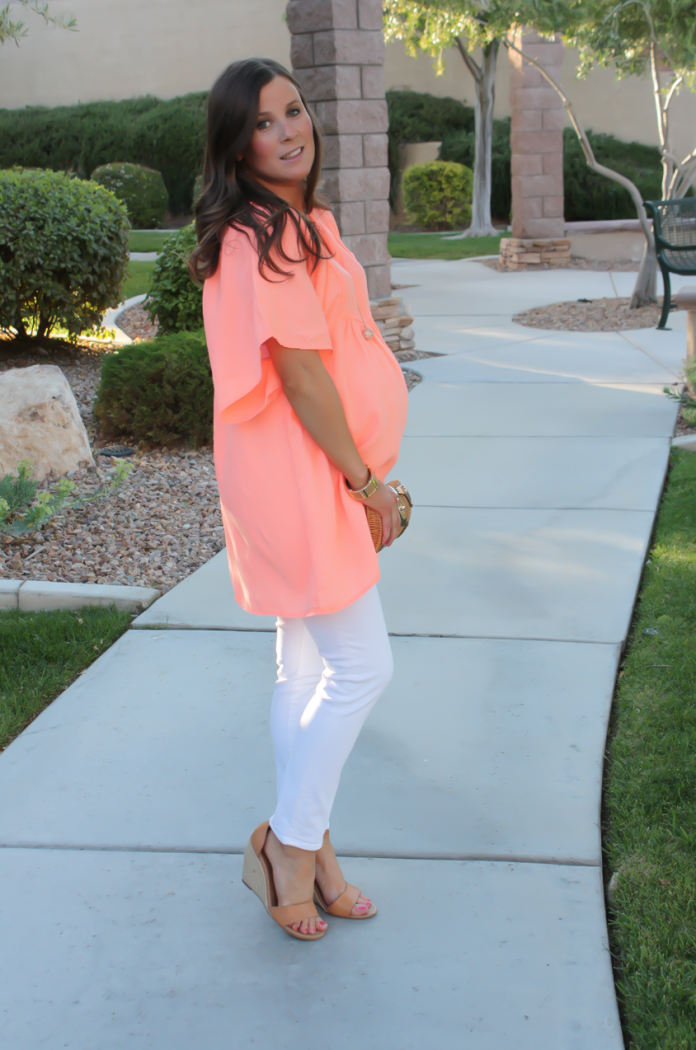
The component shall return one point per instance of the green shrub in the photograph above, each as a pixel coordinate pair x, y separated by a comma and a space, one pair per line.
141, 189
63, 252
159, 392
168, 136
415, 116
174, 299
592, 196
459, 146
587, 195
438, 194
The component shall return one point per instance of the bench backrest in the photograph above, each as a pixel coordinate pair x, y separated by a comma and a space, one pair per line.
674, 224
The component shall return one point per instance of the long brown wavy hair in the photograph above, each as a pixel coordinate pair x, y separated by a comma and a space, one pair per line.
231, 196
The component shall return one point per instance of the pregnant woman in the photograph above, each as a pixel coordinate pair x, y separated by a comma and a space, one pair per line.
310, 407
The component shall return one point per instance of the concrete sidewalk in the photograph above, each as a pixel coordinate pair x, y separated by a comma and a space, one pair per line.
469, 809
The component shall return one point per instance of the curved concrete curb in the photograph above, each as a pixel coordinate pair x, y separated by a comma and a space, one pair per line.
109, 318
686, 442
41, 595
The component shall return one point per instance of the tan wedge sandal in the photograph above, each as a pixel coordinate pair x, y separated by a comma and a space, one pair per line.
258, 876
343, 906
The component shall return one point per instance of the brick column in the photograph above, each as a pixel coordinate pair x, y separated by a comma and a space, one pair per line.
536, 139
337, 54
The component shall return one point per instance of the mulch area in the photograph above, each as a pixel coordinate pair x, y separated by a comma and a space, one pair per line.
136, 323
593, 315
161, 525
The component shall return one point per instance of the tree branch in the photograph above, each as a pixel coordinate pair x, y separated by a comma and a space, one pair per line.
473, 67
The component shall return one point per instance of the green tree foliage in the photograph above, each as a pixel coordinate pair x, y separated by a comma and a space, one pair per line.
141, 189
63, 252
160, 392
16, 30
438, 194
168, 136
174, 300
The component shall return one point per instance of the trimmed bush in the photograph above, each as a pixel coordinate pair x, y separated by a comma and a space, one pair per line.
141, 189
168, 136
63, 252
415, 116
174, 299
438, 194
159, 392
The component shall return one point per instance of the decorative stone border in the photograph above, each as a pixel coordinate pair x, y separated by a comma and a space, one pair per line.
41, 596
395, 323
524, 251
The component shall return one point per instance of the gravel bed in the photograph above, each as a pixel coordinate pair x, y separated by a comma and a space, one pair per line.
576, 263
136, 323
404, 356
161, 525
595, 315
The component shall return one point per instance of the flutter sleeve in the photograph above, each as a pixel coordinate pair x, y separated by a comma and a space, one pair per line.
242, 310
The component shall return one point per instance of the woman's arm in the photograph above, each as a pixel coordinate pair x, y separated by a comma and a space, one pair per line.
317, 404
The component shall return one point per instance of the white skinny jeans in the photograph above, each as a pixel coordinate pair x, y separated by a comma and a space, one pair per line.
332, 668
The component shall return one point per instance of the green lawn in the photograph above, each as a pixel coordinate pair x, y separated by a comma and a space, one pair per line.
649, 816
138, 279
436, 246
148, 242
42, 653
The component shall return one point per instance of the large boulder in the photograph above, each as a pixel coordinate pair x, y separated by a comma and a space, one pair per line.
40, 421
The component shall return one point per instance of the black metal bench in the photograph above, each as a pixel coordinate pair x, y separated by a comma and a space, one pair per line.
674, 226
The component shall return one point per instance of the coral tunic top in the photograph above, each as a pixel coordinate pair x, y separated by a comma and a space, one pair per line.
297, 544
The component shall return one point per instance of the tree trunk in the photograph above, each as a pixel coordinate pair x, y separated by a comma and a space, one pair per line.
481, 223
645, 288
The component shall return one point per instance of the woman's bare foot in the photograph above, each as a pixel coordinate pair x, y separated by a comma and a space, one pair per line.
293, 875
331, 880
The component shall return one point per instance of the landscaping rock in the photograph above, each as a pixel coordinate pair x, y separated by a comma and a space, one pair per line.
40, 422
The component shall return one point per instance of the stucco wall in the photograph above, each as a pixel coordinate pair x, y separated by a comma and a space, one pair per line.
624, 108
126, 48
169, 47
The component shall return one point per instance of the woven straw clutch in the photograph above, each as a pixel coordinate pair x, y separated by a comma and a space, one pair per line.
404, 503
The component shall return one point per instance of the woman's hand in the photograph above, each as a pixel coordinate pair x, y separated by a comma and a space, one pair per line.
384, 502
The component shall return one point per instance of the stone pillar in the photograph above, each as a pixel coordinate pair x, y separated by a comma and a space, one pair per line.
536, 139
337, 54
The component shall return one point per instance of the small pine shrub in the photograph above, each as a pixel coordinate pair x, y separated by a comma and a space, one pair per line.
63, 252
159, 392
174, 300
141, 189
438, 194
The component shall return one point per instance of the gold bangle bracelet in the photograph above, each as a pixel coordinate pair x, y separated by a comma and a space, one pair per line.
366, 491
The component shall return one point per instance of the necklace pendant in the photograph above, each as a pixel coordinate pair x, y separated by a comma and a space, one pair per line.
368, 333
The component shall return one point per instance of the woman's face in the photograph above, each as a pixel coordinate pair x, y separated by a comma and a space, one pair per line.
281, 150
